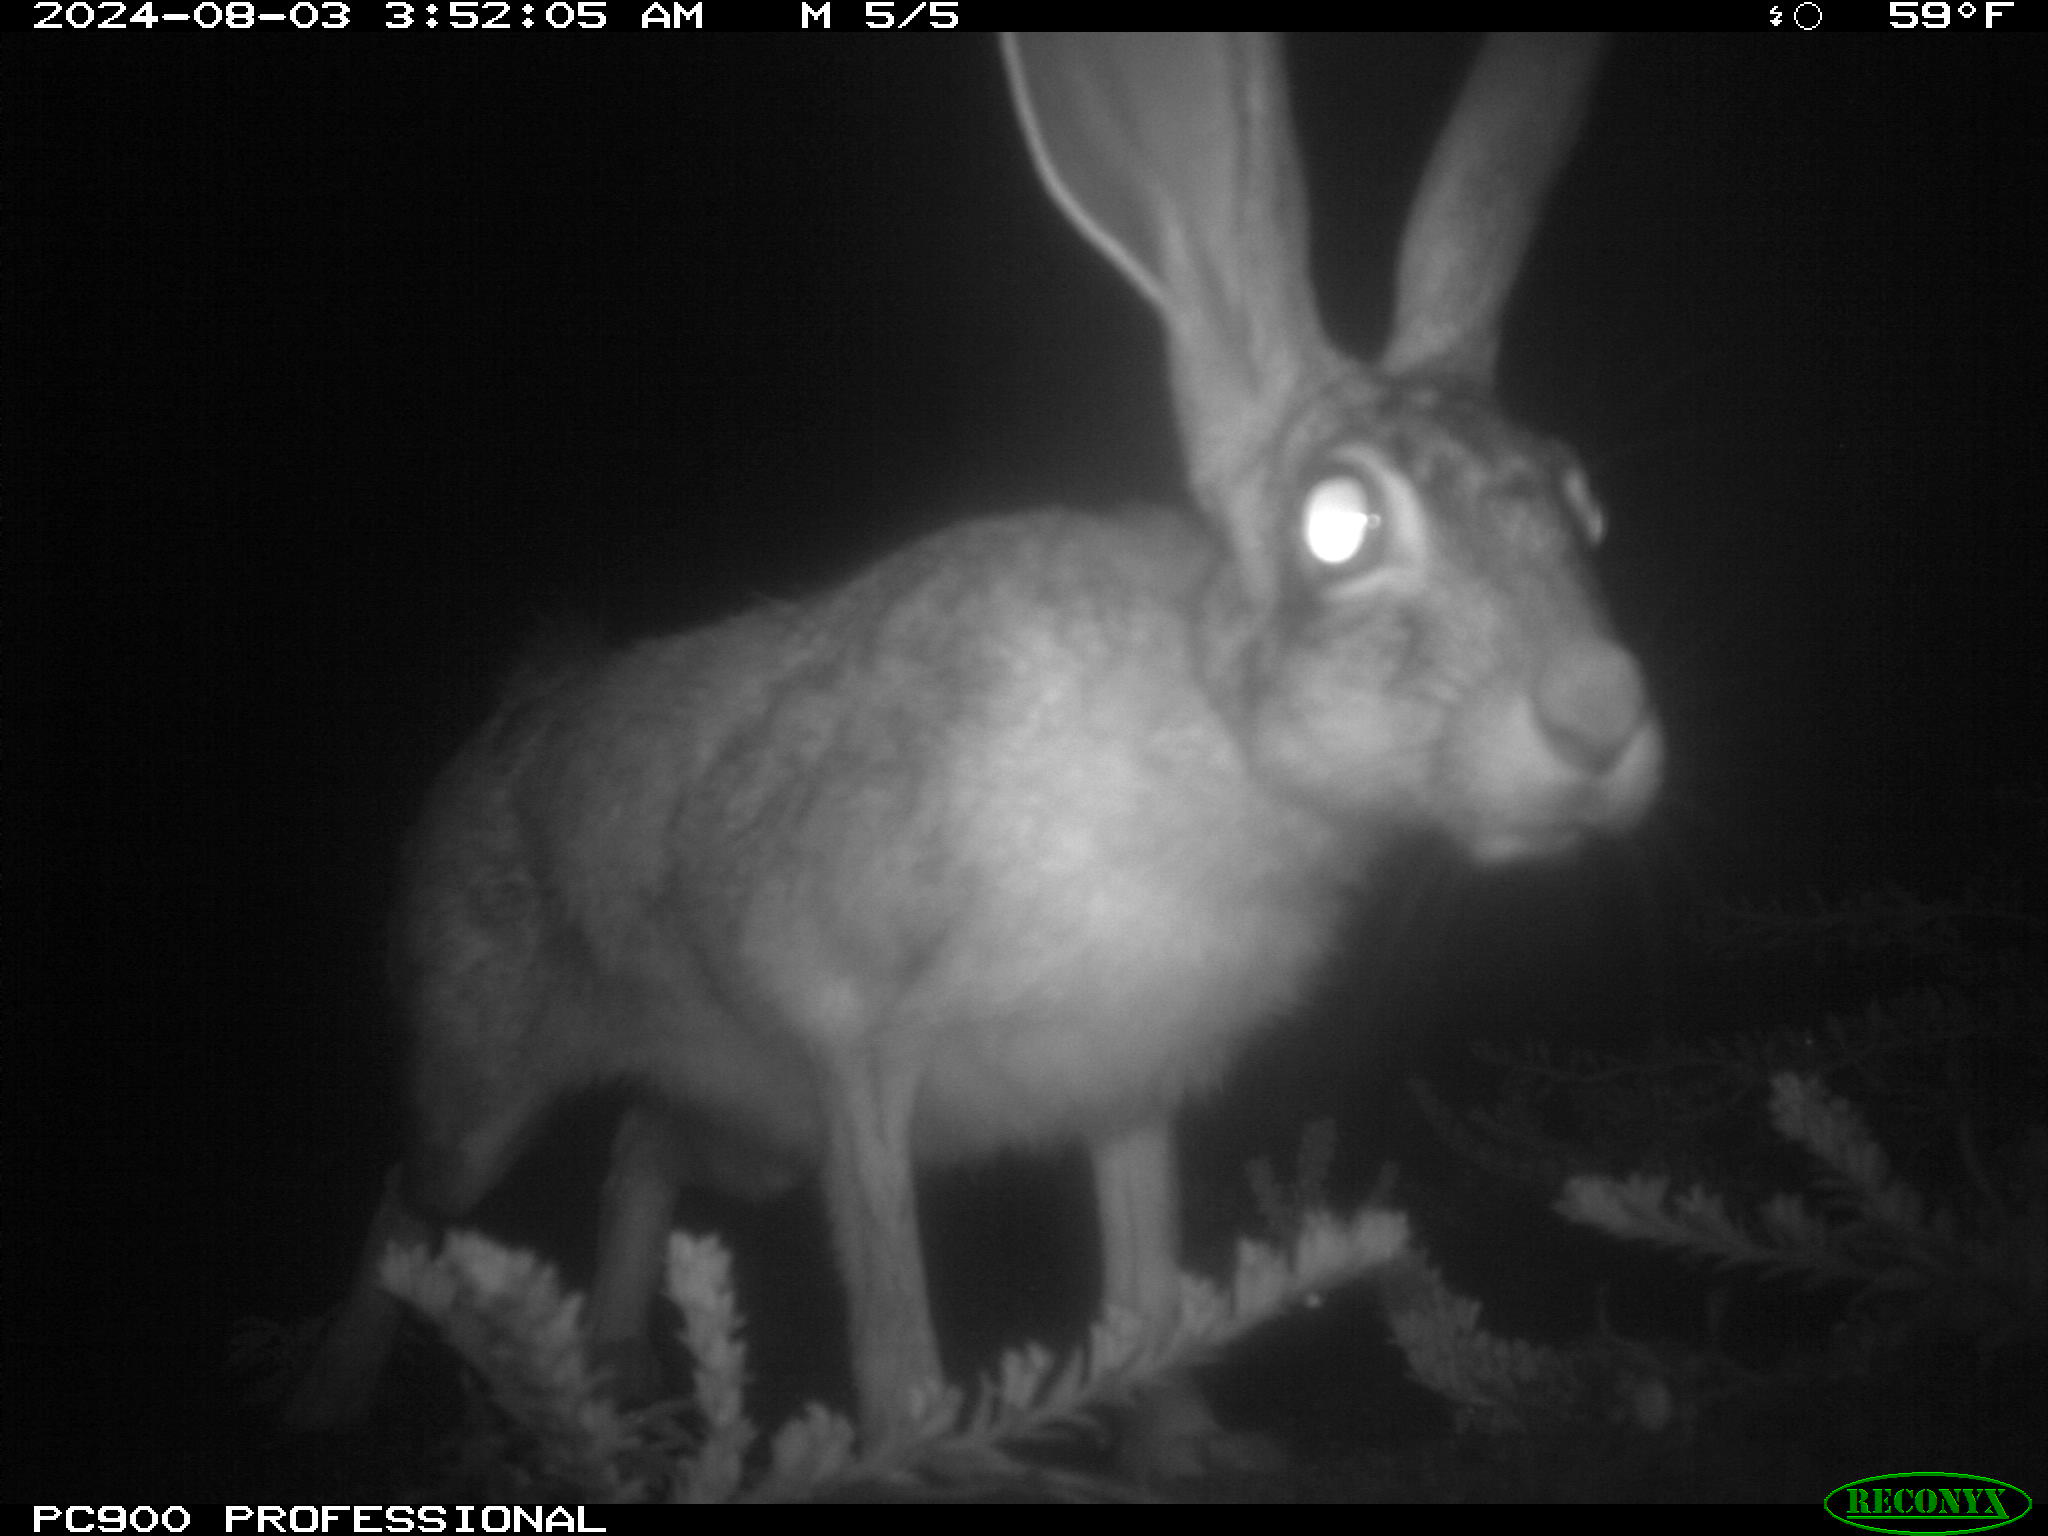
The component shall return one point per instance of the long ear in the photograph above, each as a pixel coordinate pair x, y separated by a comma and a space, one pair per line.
1173, 154
1480, 197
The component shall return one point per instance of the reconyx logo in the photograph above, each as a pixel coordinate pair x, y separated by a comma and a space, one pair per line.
1950, 1502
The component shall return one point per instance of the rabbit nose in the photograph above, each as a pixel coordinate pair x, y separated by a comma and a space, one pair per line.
1591, 702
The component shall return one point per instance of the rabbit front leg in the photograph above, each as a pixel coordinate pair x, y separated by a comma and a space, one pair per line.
1171, 1433
1137, 1201
871, 1195
650, 1163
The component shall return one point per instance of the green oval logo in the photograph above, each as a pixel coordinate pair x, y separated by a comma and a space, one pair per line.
1916, 1502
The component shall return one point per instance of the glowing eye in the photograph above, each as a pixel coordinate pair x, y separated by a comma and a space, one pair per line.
1338, 520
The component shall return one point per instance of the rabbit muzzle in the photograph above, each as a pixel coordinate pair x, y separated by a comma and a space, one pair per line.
1576, 752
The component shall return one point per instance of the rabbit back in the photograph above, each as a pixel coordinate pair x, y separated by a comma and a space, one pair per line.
976, 807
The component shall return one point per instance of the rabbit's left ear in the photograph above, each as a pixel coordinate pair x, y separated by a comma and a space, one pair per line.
1174, 155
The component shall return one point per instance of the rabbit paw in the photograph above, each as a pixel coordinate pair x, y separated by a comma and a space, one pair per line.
1172, 1436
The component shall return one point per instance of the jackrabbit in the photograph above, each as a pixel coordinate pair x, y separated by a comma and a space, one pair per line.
1015, 837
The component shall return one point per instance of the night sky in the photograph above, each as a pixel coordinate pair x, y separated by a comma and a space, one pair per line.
339, 365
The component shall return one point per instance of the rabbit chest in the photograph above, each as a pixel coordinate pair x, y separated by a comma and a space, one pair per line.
1008, 838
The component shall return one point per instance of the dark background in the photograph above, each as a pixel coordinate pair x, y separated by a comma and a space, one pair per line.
335, 365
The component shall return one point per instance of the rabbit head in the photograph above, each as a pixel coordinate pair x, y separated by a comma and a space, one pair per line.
1406, 630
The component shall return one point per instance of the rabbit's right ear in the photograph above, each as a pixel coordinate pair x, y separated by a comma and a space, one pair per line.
1173, 153
1476, 209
